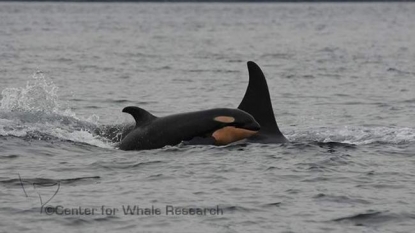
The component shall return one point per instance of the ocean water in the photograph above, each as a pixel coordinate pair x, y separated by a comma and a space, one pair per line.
342, 83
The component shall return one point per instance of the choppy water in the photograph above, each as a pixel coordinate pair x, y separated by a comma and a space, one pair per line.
342, 80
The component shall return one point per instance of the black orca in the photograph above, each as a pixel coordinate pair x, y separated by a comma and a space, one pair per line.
257, 102
222, 126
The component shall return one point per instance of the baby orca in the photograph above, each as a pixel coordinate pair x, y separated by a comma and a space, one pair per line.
221, 125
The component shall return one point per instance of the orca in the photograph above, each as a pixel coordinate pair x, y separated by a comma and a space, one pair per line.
220, 126
257, 102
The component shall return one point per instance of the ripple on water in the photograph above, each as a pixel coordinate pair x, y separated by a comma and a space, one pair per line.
375, 218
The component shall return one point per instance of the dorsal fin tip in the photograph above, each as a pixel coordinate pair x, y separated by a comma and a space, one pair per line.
251, 63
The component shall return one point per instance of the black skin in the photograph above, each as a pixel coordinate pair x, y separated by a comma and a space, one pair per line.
152, 132
257, 102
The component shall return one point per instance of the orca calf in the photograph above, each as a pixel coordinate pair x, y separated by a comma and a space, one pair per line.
257, 102
221, 126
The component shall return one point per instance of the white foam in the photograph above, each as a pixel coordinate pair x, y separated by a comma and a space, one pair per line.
38, 95
81, 136
36, 109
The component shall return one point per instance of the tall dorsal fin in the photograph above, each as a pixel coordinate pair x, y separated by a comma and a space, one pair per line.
140, 115
257, 102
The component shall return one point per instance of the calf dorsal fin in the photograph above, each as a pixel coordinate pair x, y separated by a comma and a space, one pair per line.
140, 115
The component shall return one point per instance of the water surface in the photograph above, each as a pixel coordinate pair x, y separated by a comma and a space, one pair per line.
342, 82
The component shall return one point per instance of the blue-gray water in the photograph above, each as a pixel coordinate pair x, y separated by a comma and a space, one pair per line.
342, 81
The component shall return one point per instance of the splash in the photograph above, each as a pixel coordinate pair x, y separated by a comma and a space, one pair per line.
38, 96
35, 112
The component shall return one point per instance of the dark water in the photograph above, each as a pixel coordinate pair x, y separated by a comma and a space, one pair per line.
342, 80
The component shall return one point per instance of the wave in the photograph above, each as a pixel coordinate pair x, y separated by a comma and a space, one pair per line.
375, 218
46, 182
355, 135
